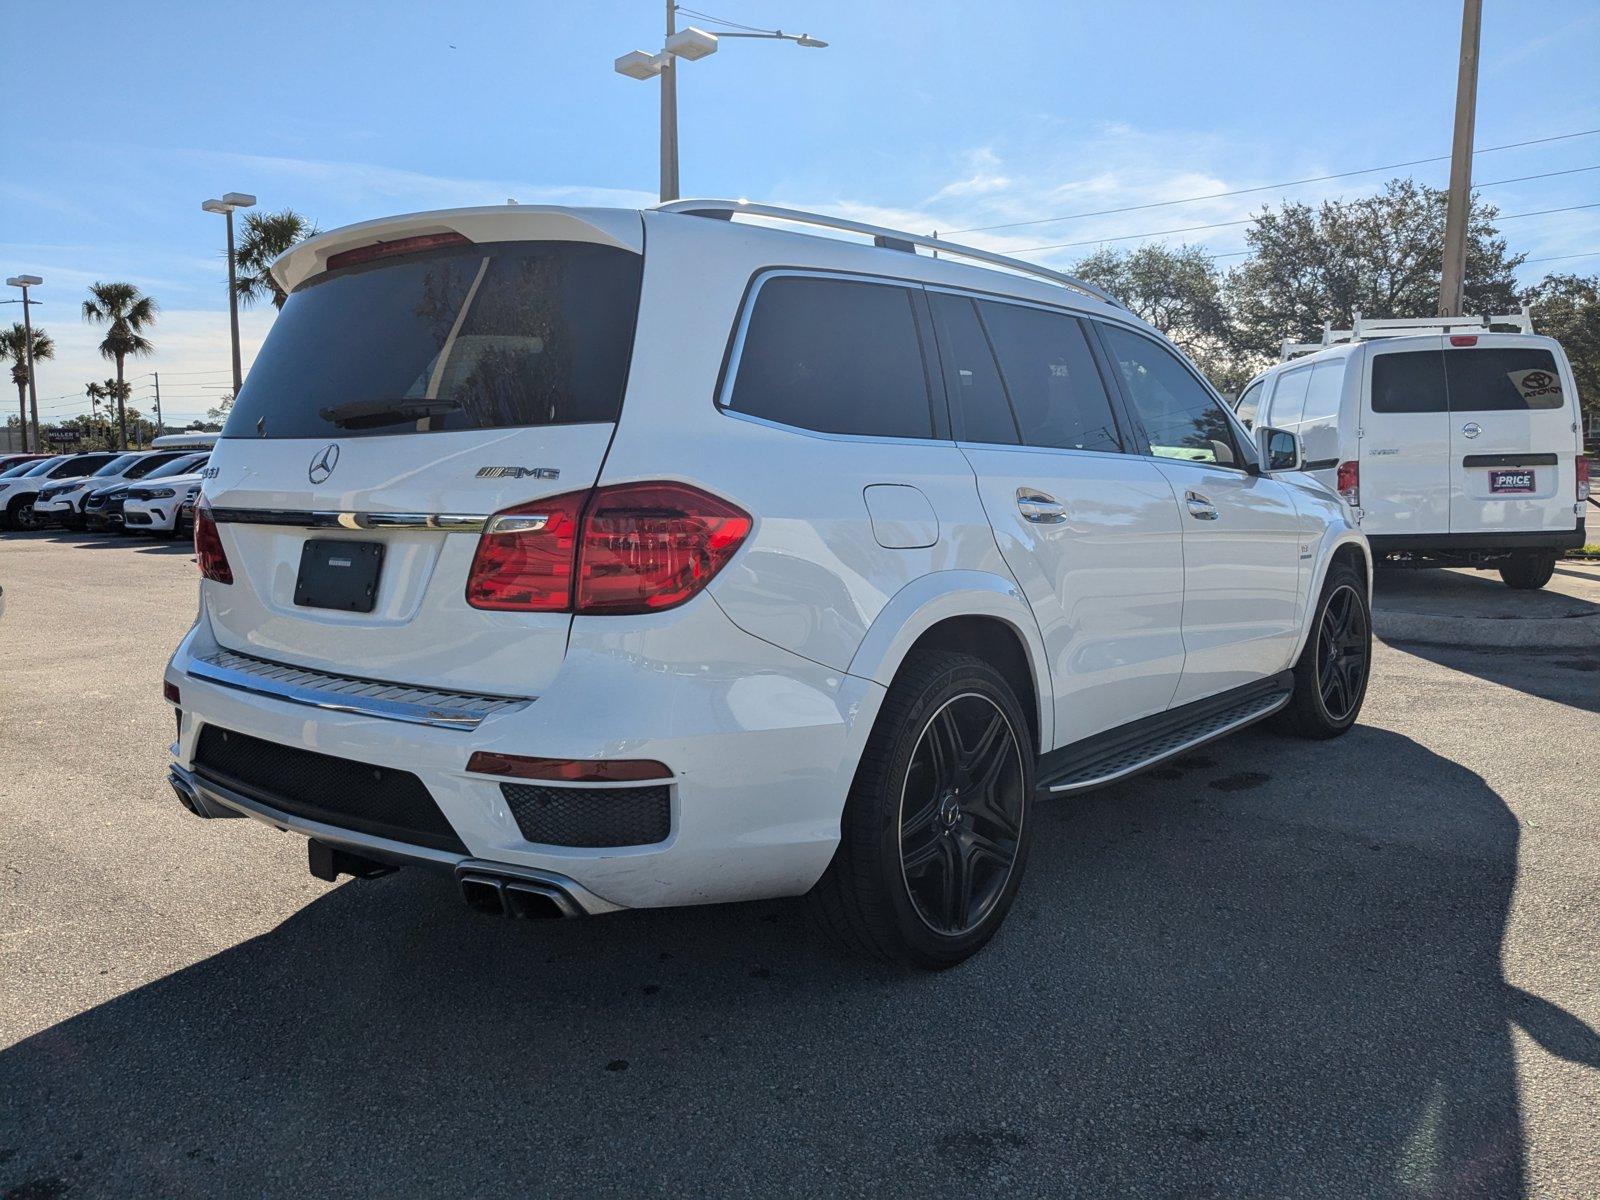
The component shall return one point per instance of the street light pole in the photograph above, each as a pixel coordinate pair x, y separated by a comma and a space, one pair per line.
689, 45
225, 206
1453, 276
25, 282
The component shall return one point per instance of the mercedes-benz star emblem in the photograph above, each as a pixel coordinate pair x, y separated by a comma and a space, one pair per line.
323, 463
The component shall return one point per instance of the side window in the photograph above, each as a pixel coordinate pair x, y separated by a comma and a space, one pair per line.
973, 379
1182, 419
1500, 379
1050, 374
1249, 402
1408, 381
836, 356
1289, 401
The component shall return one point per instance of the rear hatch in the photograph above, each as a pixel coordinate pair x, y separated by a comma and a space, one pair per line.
424, 374
1512, 439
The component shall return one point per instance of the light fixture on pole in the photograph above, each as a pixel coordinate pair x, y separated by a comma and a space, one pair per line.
25, 282
690, 45
225, 206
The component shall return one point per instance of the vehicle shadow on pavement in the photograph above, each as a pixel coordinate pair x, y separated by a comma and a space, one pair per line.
1241, 974
1567, 674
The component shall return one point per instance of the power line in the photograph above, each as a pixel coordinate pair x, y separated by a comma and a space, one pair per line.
1415, 162
1561, 257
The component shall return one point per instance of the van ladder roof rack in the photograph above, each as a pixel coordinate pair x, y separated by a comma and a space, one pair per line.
891, 239
1366, 328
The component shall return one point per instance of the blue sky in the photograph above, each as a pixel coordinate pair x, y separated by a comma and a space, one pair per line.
929, 115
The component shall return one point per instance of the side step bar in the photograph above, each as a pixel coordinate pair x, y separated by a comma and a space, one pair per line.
1119, 753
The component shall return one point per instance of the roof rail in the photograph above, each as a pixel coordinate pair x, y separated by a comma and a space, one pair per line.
1366, 328
891, 239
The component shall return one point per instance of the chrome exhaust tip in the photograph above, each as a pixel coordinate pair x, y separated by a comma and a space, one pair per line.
189, 796
515, 896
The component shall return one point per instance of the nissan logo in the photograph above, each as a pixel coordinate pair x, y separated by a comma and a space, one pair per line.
1472, 429
323, 463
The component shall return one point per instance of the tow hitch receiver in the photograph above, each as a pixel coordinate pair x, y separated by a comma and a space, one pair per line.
329, 862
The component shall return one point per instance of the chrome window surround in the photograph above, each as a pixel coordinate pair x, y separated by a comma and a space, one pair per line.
348, 694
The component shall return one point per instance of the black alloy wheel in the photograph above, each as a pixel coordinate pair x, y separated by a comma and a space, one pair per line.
961, 813
1342, 652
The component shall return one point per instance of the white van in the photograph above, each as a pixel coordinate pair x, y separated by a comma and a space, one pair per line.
1455, 445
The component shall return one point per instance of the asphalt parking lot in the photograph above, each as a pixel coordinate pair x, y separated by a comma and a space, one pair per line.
1360, 968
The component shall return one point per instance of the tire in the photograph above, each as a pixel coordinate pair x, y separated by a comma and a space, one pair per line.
1529, 570
922, 878
19, 514
1327, 699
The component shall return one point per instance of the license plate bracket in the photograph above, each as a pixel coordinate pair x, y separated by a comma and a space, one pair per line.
1513, 481
338, 574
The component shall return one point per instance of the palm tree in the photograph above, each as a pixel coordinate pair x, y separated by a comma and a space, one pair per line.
265, 237
99, 393
126, 312
14, 345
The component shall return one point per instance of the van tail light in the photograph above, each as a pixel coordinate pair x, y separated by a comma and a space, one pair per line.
1349, 483
629, 548
1463, 339
208, 551
1583, 478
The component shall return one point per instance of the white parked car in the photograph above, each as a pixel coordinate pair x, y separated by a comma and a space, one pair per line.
161, 503
1455, 445
623, 559
20, 489
63, 503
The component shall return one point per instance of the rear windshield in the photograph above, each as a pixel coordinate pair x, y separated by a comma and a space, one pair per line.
1496, 379
469, 337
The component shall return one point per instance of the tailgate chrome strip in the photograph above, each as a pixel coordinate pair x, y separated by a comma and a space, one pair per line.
348, 694
331, 519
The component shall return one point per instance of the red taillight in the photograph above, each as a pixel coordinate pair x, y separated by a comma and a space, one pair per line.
1349, 483
567, 770
208, 551
410, 245
630, 548
1583, 478
1463, 339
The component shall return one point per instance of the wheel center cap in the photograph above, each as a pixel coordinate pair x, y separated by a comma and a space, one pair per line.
949, 812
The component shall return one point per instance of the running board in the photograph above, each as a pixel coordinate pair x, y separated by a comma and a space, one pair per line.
1119, 753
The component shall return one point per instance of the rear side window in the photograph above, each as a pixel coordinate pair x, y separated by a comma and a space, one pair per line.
1409, 381
834, 355
1289, 401
974, 379
1183, 420
1502, 379
1050, 374
1249, 402
470, 337
77, 467
149, 463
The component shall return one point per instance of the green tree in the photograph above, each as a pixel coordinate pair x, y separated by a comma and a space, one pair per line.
1567, 308
264, 237
14, 345
1380, 256
126, 312
1179, 291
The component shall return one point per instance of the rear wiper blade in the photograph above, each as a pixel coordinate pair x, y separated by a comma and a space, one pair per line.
368, 414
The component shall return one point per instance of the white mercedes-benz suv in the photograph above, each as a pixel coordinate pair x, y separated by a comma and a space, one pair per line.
618, 559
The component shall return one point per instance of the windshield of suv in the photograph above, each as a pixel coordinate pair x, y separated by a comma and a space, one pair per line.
44, 465
117, 465
21, 468
466, 337
187, 465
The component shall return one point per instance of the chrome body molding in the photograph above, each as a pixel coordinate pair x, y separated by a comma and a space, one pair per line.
348, 694
331, 519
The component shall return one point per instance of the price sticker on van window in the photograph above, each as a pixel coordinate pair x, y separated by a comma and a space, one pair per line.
1503, 482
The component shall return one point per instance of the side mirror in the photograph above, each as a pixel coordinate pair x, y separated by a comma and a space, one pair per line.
1279, 449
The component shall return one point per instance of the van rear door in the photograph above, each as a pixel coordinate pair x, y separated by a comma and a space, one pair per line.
1512, 444
1405, 440
404, 394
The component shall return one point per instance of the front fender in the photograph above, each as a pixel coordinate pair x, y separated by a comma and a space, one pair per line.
940, 596
1333, 538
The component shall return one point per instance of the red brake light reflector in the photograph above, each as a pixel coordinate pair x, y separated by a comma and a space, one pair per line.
208, 551
169, 691
410, 245
1583, 478
1349, 483
526, 554
1463, 339
567, 770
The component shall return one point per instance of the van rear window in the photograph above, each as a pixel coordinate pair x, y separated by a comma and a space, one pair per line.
1409, 381
467, 337
1499, 379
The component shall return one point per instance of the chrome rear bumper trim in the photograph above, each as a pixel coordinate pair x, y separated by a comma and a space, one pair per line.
330, 519
348, 694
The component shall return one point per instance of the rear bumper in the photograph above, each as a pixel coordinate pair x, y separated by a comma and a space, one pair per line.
1421, 543
762, 746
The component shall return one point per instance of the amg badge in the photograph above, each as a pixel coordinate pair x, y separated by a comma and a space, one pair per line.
519, 473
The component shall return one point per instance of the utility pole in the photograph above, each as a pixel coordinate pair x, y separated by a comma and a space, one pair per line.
669, 114
1453, 277
25, 282
160, 428
226, 206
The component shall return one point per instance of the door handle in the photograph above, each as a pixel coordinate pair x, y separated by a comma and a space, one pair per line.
1040, 507
1200, 508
